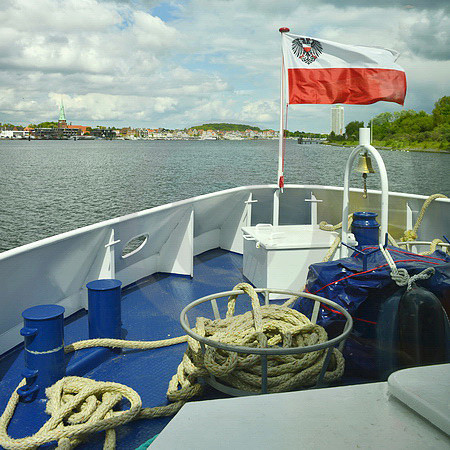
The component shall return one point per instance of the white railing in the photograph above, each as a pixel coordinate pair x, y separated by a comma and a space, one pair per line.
56, 269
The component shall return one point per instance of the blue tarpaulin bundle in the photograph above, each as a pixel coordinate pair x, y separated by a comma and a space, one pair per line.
350, 283
367, 291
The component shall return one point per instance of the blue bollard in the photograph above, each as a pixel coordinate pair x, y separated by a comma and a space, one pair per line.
105, 318
105, 321
43, 334
365, 228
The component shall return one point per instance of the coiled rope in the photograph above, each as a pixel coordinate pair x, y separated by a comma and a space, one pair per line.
79, 406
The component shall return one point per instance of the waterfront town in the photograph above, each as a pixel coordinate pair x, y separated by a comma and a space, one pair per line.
81, 132
64, 130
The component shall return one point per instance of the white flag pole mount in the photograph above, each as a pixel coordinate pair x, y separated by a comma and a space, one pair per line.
280, 177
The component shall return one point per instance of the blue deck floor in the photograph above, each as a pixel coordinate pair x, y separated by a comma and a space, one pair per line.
150, 311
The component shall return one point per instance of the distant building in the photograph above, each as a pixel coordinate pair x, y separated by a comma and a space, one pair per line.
62, 123
14, 134
337, 119
62, 131
79, 129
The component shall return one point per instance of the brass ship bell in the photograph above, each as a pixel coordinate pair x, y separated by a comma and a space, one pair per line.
364, 167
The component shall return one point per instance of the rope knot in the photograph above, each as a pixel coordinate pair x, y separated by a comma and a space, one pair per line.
409, 235
402, 277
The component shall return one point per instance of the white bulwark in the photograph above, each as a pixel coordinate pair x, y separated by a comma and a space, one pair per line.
337, 119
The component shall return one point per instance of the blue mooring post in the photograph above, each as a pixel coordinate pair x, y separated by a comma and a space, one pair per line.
43, 334
105, 318
105, 321
365, 228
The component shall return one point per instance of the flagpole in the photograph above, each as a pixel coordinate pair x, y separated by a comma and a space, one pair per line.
280, 179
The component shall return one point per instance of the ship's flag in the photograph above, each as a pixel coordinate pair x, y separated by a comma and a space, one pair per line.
321, 71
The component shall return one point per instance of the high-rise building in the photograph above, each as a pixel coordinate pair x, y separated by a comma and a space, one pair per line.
337, 119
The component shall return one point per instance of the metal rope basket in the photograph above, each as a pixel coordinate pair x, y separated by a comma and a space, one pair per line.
269, 351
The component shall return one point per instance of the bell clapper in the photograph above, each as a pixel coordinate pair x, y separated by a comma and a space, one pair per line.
364, 175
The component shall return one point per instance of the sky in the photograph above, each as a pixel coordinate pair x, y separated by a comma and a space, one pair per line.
177, 64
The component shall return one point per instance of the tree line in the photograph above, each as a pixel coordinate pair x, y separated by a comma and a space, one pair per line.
407, 128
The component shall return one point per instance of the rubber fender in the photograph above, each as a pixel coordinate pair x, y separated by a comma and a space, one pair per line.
423, 329
388, 336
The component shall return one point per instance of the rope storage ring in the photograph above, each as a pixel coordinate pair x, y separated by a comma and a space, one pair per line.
270, 348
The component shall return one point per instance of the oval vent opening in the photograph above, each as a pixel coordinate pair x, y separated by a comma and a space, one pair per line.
134, 245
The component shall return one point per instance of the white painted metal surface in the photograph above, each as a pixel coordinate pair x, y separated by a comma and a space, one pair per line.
425, 390
360, 416
56, 269
286, 237
279, 257
364, 145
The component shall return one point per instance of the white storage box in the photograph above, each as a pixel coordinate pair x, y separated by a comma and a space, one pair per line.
279, 257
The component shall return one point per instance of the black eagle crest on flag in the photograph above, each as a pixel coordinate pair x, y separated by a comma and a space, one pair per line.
307, 49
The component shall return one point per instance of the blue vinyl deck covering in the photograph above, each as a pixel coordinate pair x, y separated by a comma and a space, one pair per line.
150, 311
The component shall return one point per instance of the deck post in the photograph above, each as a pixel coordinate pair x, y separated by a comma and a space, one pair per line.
43, 334
105, 318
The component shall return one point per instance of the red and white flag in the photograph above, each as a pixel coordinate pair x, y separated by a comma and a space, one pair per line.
321, 71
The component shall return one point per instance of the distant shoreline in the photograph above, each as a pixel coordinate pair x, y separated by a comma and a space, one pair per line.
391, 149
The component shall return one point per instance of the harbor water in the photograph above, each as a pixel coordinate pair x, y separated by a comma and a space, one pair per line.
49, 187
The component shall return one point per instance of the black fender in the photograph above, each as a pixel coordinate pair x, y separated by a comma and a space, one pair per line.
413, 330
423, 329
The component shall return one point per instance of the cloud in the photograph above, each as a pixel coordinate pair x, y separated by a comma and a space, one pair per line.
428, 35
261, 111
81, 36
109, 61
403, 4
176, 64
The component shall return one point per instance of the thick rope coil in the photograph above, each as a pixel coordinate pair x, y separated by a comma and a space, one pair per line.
79, 406
411, 235
263, 326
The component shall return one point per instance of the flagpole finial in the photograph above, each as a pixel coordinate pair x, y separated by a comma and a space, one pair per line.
284, 30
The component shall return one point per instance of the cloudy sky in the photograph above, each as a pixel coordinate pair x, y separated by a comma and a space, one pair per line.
176, 64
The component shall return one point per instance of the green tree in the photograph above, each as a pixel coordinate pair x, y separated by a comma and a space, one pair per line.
48, 125
441, 111
333, 137
352, 130
226, 127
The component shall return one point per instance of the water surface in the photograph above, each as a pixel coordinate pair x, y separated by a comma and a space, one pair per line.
48, 187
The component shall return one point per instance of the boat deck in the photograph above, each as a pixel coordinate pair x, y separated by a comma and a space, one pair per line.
150, 311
